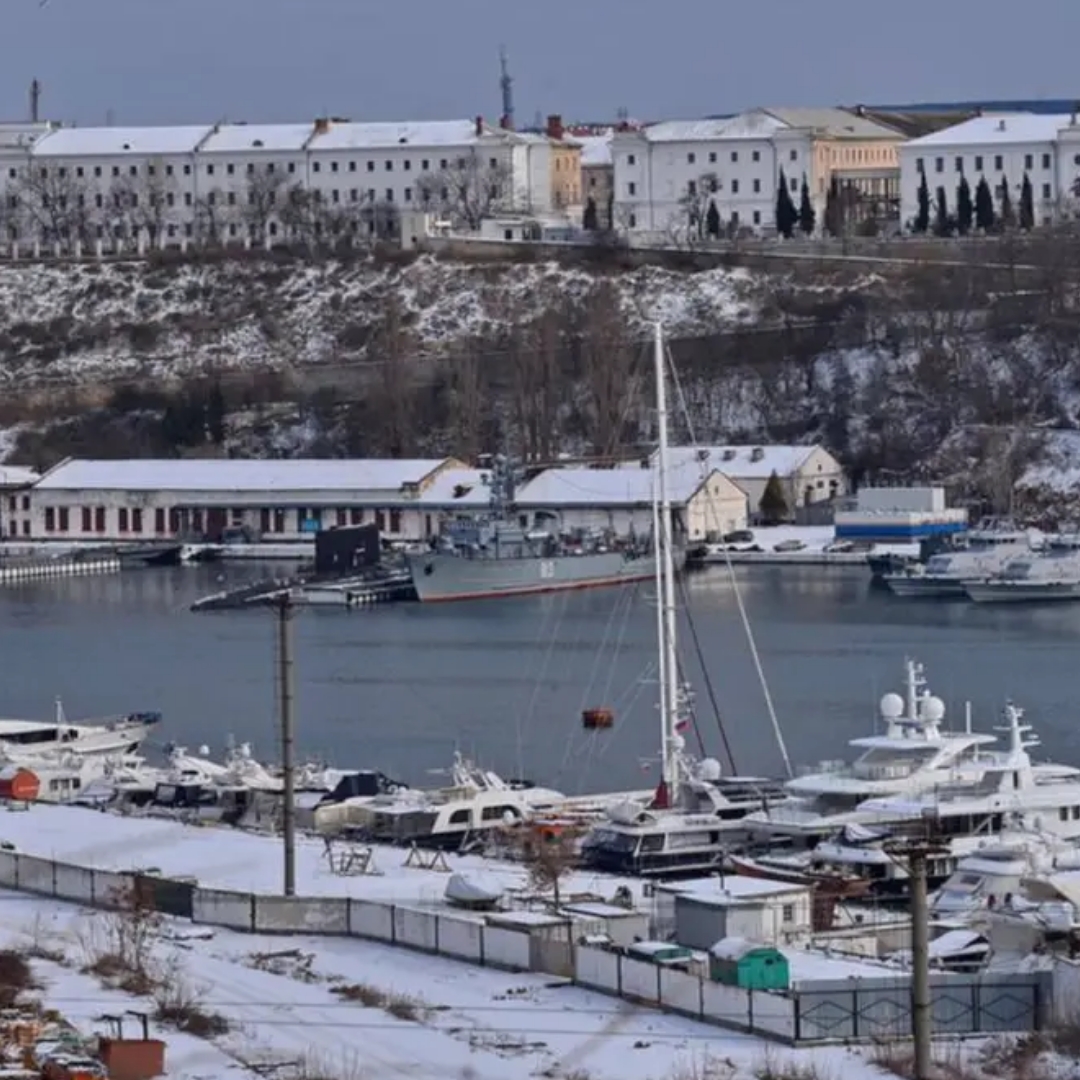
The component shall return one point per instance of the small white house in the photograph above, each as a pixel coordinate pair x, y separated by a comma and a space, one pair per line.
810, 474
280, 501
710, 909
15, 483
621, 499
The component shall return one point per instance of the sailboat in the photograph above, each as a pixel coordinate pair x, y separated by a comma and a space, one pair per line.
697, 814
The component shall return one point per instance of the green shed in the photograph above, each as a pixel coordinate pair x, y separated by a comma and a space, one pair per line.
748, 965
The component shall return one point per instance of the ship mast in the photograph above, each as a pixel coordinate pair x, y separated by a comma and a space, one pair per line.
669, 670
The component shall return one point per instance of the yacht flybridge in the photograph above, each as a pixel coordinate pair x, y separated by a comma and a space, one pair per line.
118, 735
912, 755
696, 815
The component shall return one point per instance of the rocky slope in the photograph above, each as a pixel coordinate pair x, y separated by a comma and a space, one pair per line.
905, 374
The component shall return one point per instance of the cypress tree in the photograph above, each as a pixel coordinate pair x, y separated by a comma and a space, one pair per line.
942, 224
786, 215
1027, 204
1008, 216
965, 210
773, 505
984, 207
590, 219
834, 214
712, 220
922, 218
807, 213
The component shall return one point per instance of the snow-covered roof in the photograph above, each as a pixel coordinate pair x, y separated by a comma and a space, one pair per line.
237, 475
750, 125
595, 150
625, 485
238, 138
458, 487
103, 141
21, 134
996, 128
735, 948
731, 888
366, 136
836, 123
746, 462
16, 476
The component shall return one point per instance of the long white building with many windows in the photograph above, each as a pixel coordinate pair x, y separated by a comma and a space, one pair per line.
1001, 148
166, 186
667, 175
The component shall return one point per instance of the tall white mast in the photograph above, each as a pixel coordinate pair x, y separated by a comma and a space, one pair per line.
669, 688
661, 665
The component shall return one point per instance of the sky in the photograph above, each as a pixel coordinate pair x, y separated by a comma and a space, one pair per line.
189, 61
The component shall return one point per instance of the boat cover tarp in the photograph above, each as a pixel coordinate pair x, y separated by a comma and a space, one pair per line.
460, 890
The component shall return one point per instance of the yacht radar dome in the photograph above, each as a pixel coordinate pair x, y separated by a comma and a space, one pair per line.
892, 706
933, 709
709, 770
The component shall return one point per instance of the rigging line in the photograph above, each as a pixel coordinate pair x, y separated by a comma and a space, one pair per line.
684, 681
542, 674
630, 699
710, 690
747, 629
538, 661
628, 606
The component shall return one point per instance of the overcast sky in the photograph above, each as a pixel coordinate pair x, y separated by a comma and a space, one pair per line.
166, 61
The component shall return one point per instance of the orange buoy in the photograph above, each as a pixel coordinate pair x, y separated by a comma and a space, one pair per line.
19, 784
597, 719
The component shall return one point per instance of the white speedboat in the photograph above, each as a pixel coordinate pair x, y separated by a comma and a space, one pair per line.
987, 549
118, 735
1050, 575
913, 754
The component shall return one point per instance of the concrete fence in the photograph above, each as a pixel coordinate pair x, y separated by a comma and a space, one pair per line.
815, 1012
42, 569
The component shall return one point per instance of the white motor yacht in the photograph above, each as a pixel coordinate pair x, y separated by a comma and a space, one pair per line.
987, 548
117, 735
1053, 574
912, 755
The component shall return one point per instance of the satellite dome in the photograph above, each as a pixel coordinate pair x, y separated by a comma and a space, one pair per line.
709, 770
892, 706
933, 709
678, 743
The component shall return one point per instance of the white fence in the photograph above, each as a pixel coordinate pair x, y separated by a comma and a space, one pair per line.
42, 569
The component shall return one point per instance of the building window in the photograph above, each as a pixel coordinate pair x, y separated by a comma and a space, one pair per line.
1046, 161
757, 187
794, 155
279, 520
919, 167
794, 184
756, 155
959, 165
395, 521
734, 187
389, 166
631, 188
1046, 191
64, 519
97, 171
978, 163
380, 520
939, 164
292, 166
356, 515
630, 159
264, 520
159, 520
340, 516
408, 194
757, 217
99, 519
122, 519
734, 217
333, 166
691, 158
999, 162
632, 221
315, 166
50, 519
787, 913
87, 520
1029, 161
691, 188
136, 520
712, 157
209, 170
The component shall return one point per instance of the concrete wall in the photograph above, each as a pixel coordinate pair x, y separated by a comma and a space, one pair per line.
295, 915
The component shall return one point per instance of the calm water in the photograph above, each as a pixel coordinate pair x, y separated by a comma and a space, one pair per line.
400, 687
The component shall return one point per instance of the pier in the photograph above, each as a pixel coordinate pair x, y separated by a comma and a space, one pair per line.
77, 564
353, 592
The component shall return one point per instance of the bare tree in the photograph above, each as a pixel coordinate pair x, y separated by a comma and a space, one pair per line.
143, 205
469, 191
695, 203
549, 857
535, 366
52, 203
393, 390
265, 199
469, 400
300, 215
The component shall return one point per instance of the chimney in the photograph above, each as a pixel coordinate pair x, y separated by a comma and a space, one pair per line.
479, 126
35, 101
1001, 125
554, 127
322, 125
504, 123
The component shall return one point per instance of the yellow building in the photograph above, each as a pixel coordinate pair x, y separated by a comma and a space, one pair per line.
565, 166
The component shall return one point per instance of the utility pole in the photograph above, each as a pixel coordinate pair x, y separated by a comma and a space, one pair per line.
913, 853
284, 607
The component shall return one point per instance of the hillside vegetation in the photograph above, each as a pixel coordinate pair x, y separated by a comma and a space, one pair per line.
913, 370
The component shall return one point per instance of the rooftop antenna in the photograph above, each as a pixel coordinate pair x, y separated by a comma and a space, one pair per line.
506, 84
35, 101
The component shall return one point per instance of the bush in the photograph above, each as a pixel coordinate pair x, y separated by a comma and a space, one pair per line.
16, 977
371, 997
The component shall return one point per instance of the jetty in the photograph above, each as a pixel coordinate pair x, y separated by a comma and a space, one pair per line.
349, 592
14, 571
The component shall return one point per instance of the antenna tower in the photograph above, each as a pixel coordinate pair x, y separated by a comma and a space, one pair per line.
35, 101
506, 84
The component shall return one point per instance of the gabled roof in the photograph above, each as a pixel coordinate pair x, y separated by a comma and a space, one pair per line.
997, 128
836, 123
749, 125
16, 476
233, 474
625, 485
238, 138
745, 462
107, 141
379, 135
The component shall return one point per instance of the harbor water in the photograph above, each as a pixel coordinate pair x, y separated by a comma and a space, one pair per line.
401, 687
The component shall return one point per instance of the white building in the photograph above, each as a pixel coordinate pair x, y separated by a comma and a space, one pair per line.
621, 499
663, 170
1002, 147
148, 500
15, 483
809, 474
171, 185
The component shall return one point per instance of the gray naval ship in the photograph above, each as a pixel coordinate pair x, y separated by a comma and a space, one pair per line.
492, 555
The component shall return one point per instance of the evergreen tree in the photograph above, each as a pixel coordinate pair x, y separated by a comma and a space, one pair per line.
942, 222
984, 207
834, 211
773, 506
215, 411
712, 220
965, 209
922, 218
1027, 204
590, 218
807, 213
787, 217
1008, 215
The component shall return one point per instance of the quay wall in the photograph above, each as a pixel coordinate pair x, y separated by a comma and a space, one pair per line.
811, 1013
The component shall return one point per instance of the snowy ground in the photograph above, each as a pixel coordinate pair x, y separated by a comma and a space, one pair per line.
472, 1022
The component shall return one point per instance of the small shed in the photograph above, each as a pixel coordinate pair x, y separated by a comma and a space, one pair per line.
748, 965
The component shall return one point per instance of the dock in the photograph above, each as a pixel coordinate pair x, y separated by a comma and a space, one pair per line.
808, 557
14, 571
351, 592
